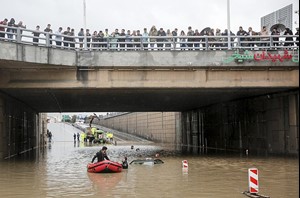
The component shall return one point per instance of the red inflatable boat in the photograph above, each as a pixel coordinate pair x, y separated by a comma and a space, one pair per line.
105, 166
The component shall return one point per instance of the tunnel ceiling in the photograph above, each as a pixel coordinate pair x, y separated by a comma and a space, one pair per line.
128, 100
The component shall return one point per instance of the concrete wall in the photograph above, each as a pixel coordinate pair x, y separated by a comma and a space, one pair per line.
160, 127
177, 58
21, 128
263, 125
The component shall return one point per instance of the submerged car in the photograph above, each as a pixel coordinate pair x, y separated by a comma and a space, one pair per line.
147, 161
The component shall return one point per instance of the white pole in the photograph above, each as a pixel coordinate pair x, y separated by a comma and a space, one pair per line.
228, 24
84, 24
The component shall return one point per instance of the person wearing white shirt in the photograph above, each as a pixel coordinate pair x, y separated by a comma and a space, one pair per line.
58, 36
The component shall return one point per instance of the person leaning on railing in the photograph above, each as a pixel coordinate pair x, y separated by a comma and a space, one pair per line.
128, 40
169, 39
72, 38
211, 39
49, 30
218, 43
265, 36
242, 36
58, 36
160, 41
21, 26
152, 33
11, 23
139, 35
297, 38
145, 40
251, 40
190, 40
135, 39
113, 39
66, 37
197, 40
203, 39
95, 39
105, 38
275, 33
289, 41
182, 40
100, 39
2, 29
122, 39
88, 37
81, 35
36, 35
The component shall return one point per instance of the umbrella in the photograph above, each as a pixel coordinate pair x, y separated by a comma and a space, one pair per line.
280, 27
207, 29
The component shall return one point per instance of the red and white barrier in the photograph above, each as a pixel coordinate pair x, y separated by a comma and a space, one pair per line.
253, 180
185, 164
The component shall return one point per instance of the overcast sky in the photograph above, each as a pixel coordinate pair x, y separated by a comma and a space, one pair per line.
137, 14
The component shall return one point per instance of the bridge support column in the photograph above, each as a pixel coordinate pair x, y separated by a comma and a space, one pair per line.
193, 140
20, 128
3, 143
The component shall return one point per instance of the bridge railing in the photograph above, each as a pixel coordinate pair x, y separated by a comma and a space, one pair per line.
124, 43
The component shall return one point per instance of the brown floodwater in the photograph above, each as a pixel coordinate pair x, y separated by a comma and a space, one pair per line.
60, 171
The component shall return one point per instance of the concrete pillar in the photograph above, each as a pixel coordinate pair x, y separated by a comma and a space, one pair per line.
184, 141
201, 130
195, 132
178, 131
189, 131
20, 128
293, 133
2, 129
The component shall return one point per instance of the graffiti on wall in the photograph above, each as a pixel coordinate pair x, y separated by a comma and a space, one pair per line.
262, 56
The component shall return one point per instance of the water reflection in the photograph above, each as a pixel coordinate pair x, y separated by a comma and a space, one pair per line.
105, 183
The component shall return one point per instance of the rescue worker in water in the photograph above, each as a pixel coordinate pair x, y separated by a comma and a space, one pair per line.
125, 163
101, 155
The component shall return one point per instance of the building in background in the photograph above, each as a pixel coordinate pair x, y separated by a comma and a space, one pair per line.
282, 16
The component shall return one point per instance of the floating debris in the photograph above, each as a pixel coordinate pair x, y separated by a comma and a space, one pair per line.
247, 193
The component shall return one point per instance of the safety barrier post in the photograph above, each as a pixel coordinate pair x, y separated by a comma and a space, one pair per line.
253, 180
253, 184
185, 166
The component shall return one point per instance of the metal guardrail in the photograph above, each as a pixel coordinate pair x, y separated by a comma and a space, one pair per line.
124, 43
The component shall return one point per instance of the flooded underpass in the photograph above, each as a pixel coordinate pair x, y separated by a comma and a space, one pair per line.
60, 171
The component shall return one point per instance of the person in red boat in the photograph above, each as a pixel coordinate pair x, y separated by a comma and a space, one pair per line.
101, 155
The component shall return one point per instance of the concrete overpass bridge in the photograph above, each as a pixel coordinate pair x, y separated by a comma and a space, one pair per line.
56, 80
35, 79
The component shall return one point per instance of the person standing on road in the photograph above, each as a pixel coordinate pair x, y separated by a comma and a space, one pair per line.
74, 137
50, 136
78, 136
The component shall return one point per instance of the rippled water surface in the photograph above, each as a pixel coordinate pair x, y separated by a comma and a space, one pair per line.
60, 171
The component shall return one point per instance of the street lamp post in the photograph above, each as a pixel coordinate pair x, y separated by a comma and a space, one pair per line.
84, 24
228, 24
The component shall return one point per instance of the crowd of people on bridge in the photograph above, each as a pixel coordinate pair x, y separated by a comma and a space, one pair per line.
163, 39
